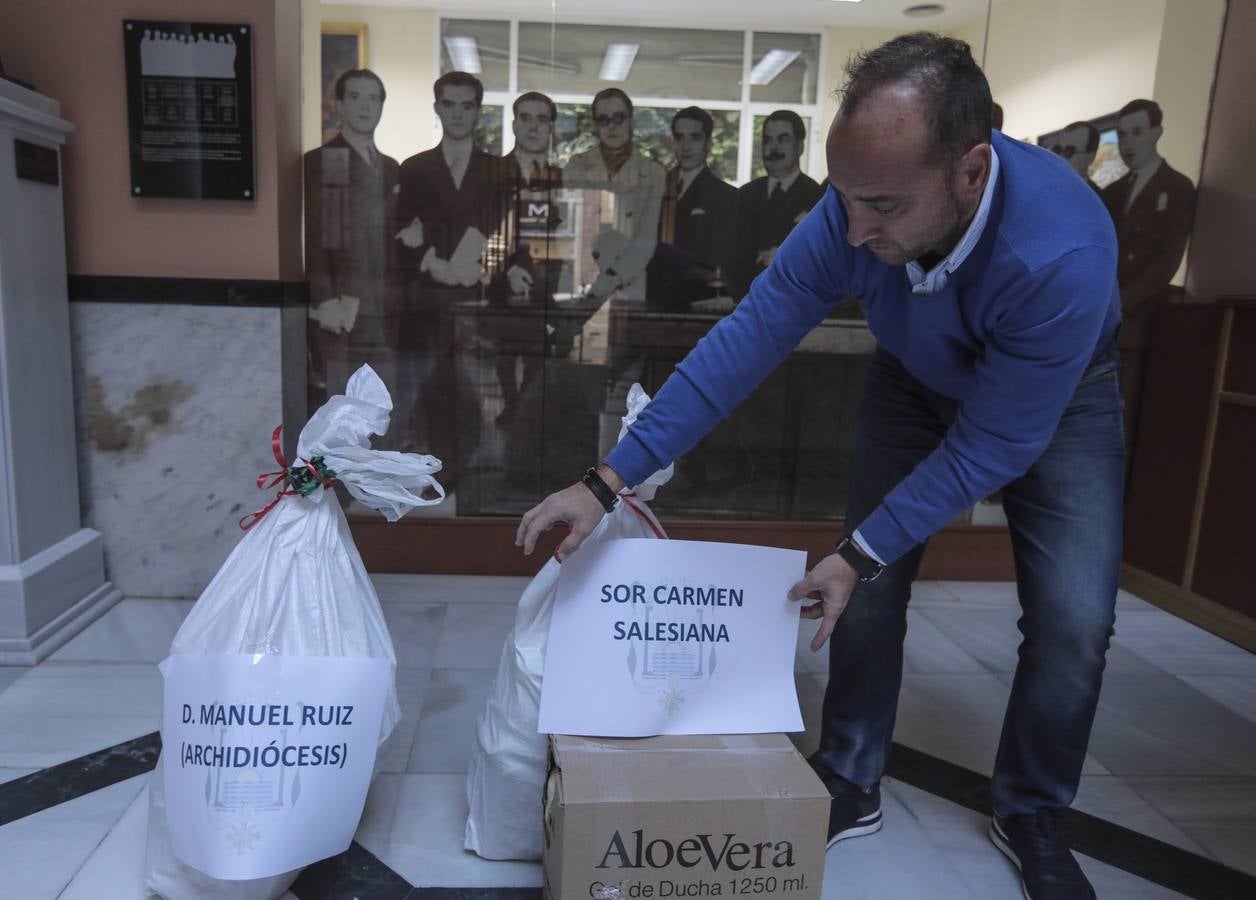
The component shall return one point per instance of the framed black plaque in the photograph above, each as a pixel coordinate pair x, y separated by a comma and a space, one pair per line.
190, 109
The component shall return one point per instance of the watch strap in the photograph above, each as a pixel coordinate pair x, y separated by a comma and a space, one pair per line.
601, 490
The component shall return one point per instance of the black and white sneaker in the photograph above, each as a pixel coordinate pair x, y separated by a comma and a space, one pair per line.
853, 812
1034, 845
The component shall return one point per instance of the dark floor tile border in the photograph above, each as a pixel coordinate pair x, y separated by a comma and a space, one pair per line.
358, 873
1131, 851
233, 292
58, 784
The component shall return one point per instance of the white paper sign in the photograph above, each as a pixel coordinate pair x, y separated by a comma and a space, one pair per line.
673, 637
267, 759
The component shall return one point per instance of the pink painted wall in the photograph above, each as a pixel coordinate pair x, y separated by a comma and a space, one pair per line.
72, 51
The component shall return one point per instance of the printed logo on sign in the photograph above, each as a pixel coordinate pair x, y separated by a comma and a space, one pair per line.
716, 851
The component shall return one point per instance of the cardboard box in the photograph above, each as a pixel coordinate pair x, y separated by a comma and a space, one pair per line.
703, 816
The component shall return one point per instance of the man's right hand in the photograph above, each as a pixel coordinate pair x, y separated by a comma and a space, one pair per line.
575, 505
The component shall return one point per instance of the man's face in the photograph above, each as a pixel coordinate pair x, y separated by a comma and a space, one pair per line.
900, 202
781, 149
691, 144
362, 106
613, 123
457, 110
1136, 139
532, 126
1072, 147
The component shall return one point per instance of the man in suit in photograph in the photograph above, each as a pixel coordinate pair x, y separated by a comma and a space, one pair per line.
698, 227
626, 190
1077, 145
528, 275
771, 205
1153, 208
451, 207
350, 206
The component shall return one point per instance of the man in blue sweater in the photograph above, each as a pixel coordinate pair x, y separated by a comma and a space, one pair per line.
987, 270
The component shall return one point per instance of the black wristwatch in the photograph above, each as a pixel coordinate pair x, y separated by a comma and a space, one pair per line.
865, 566
593, 481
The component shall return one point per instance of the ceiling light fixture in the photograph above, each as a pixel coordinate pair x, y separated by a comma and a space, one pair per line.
464, 53
922, 10
772, 64
617, 61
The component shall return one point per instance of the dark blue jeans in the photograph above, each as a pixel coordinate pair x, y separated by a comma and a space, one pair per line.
1065, 518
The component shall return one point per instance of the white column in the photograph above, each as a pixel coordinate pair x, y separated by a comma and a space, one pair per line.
52, 573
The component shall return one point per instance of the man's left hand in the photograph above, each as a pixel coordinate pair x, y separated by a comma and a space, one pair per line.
830, 582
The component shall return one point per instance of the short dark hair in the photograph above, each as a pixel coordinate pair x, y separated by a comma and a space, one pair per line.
459, 79
359, 73
996, 117
696, 114
789, 117
1155, 115
1092, 134
535, 97
608, 93
954, 93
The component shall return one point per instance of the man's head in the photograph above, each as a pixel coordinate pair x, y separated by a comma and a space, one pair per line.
1139, 125
784, 137
612, 118
1078, 143
909, 150
691, 137
534, 115
359, 101
458, 98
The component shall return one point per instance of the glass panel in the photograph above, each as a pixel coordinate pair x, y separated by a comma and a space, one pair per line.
481, 48
784, 68
645, 62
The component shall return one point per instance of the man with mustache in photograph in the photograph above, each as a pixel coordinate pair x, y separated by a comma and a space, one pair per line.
770, 206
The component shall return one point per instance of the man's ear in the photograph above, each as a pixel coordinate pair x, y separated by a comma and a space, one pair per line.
974, 168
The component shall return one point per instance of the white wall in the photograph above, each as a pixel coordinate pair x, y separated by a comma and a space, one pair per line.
399, 46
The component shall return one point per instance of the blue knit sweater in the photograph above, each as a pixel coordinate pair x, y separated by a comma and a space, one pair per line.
1008, 337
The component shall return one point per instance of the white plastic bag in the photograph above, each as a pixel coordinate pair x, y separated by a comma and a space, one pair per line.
295, 585
506, 771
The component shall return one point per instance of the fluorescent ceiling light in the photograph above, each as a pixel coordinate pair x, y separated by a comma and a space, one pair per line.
773, 64
618, 61
464, 53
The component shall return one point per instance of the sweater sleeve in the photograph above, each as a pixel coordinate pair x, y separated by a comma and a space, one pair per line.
1042, 339
811, 271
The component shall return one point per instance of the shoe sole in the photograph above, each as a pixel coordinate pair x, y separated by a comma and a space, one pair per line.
858, 830
997, 838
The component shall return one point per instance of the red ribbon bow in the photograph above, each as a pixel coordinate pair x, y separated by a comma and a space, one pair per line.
276, 447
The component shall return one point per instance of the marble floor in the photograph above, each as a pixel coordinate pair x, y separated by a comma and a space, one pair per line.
1171, 770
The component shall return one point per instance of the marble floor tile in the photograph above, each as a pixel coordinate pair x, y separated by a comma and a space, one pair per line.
10, 773
453, 589
41, 853
115, 869
1235, 692
394, 755
1218, 813
10, 674
928, 650
415, 825
900, 861
135, 630
1110, 798
1125, 748
63, 710
452, 703
473, 635
1174, 711
1112, 883
933, 592
1180, 648
415, 629
981, 593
